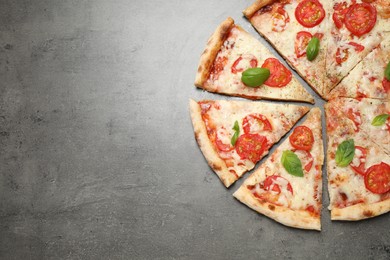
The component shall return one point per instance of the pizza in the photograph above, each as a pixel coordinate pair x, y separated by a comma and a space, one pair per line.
230, 53
235, 135
287, 187
358, 159
367, 79
322, 40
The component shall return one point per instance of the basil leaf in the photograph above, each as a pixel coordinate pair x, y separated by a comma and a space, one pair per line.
236, 128
255, 77
387, 71
345, 153
313, 48
380, 120
291, 163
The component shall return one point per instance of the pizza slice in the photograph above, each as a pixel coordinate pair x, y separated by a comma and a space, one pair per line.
293, 27
232, 53
358, 171
235, 135
370, 116
367, 79
287, 187
356, 27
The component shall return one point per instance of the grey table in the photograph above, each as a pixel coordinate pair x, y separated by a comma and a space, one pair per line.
97, 154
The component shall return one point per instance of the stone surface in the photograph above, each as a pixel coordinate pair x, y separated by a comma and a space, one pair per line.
97, 154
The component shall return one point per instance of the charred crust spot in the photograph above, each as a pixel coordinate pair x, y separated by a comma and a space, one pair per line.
368, 213
196, 135
216, 167
200, 68
205, 51
271, 207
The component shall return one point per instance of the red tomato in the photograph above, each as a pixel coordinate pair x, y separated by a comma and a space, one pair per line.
309, 13
224, 147
251, 146
302, 138
280, 19
253, 120
306, 158
357, 46
218, 66
361, 168
340, 9
280, 76
355, 117
274, 182
386, 85
377, 178
301, 41
252, 64
341, 55
360, 18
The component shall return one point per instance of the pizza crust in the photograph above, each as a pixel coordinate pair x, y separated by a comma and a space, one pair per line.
214, 161
249, 12
212, 48
361, 211
292, 218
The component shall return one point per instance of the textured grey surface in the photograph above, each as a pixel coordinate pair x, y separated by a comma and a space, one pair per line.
97, 155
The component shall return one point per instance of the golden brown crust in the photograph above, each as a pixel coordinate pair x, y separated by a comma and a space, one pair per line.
286, 216
212, 48
361, 211
249, 12
207, 148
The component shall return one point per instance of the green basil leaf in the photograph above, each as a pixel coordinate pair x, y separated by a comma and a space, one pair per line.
380, 120
291, 163
387, 71
313, 48
345, 153
255, 77
236, 128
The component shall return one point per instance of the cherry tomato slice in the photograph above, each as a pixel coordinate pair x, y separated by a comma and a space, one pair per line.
252, 63
224, 146
360, 18
302, 138
301, 41
340, 9
309, 13
251, 146
357, 46
386, 85
377, 178
361, 168
280, 19
218, 66
280, 76
255, 122
341, 55
355, 117
306, 158
275, 183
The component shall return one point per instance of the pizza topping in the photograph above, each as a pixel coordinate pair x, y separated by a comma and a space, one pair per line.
341, 55
380, 120
291, 163
358, 163
236, 129
355, 117
386, 85
222, 140
313, 48
360, 18
280, 19
280, 75
345, 153
306, 159
277, 184
302, 138
254, 123
340, 9
377, 178
357, 46
255, 77
251, 146
309, 13
247, 60
218, 66
387, 71
301, 41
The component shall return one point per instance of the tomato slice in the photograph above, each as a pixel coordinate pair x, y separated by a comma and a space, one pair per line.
302, 138
386, 85
280, 19
255, 122
357, 46
222, 140
218, 66
355, 117
361, 154
360, 18
341, 55
309, 13
301, 41
306, 158
340, 9
280, 76
236, 68
276, 184
251, 146
377, 178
